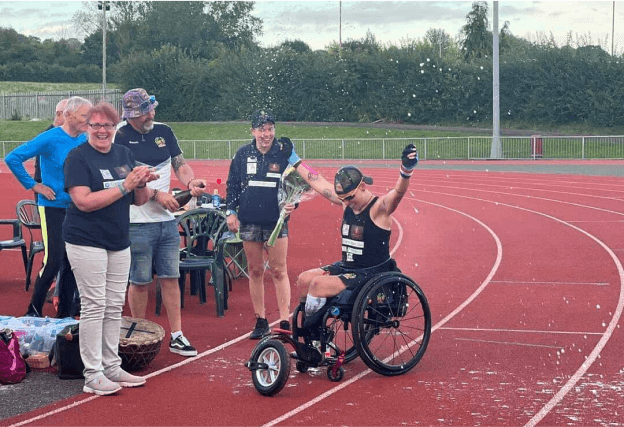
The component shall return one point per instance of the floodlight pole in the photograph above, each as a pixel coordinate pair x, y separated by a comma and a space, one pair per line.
613, 29
496, 150
340, 29
103, 50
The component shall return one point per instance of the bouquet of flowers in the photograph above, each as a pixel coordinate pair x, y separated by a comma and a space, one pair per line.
293, 189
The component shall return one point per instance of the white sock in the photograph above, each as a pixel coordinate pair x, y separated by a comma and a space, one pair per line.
313, 304
175, 335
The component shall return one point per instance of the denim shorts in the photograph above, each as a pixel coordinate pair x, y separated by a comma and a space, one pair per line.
260, 233
155, 249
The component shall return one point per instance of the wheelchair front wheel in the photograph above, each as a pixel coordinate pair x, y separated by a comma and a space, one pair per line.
271, 378
391, 324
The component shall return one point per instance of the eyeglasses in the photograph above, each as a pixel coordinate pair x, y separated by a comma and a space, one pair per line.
98, 126
143, 106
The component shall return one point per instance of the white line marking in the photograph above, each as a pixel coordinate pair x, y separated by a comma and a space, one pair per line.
153, 374
524, 331
508, 343
612, 324
523, 282
184, 362
499, 257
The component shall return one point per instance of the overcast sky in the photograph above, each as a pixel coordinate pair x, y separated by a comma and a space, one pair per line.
318, 22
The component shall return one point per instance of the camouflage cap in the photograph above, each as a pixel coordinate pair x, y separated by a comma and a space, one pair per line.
136, 103
348, 178
261, 117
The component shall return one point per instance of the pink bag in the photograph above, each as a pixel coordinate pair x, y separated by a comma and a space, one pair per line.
12, 364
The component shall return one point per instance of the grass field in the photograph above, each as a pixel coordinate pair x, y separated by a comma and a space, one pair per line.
29, 87
23, 131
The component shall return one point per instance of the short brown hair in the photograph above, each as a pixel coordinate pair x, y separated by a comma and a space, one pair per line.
105, 109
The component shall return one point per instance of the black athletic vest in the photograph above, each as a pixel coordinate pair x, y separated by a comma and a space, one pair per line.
363, 243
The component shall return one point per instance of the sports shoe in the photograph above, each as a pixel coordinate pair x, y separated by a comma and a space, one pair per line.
285, 325
125, 379
182, 346
101, 386
261, 329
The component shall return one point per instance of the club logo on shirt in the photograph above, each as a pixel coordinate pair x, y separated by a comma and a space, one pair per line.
357, 232
274, 167
345, 229
349, 276
122, 171
160, 142
106, 174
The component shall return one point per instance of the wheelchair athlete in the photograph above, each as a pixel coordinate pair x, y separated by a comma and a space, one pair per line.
365, 231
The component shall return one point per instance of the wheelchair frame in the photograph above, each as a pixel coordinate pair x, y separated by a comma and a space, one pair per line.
375, 314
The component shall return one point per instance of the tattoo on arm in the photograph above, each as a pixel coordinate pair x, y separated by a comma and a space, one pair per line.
177, 162
312, 176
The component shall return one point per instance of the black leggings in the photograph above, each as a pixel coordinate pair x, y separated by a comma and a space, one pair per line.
54, 261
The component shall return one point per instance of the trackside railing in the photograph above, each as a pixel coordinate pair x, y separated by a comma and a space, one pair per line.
439, 148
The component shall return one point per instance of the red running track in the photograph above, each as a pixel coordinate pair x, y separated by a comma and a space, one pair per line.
524, 277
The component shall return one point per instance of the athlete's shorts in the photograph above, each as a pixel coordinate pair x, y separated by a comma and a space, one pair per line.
353, 278
260, 233
155, 249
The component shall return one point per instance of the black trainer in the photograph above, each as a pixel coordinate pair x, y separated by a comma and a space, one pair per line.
261, 329
182, 346
285, 325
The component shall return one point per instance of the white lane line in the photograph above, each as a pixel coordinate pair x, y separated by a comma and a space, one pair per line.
523, 331
153, 374
595, 353
182, 363
526, 282
499, 257
508, 343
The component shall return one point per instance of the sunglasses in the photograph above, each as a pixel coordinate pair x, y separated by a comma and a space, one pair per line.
143, 106
350, 196
347, 198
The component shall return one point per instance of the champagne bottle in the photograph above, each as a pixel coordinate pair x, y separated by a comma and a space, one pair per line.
183, 197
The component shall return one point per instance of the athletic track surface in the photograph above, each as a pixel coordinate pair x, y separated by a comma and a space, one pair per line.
521, 263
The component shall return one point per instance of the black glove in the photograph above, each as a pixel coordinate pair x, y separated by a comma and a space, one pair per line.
288, 149
408, 163
286, 145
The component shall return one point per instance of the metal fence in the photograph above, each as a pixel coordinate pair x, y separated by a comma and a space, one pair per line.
451, 148
41, 105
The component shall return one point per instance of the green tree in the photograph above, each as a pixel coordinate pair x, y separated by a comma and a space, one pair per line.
476, 38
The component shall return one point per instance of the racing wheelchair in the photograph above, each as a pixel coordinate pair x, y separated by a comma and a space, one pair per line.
387, 322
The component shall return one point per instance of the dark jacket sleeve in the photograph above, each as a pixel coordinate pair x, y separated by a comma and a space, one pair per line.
234, 182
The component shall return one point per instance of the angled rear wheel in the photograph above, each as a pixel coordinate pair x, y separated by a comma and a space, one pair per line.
391, 324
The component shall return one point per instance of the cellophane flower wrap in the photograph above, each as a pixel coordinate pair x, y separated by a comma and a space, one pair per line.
293, 189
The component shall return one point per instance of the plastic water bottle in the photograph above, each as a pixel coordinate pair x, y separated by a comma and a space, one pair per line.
216, 200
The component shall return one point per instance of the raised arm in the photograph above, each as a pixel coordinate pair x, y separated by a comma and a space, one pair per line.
409, 160
309, 175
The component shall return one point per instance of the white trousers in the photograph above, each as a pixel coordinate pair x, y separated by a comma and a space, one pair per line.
102, 279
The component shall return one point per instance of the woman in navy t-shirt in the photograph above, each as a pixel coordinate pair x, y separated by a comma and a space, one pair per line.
102, 181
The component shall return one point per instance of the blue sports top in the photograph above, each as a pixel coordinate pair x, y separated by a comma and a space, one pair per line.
52, 147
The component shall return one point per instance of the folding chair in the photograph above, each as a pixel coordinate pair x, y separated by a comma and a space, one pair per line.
236, 263
17, 241
28, 215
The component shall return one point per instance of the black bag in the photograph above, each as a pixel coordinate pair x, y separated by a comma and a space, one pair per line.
67, 354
